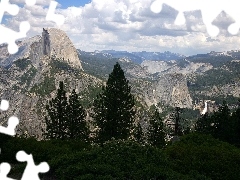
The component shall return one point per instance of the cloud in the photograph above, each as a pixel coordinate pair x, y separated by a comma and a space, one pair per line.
129, 25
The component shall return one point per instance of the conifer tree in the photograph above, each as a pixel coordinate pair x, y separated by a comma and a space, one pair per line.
114, 107
56, 121
156, 131
204, 124
236, 123
77, 126
138, 134
222, 123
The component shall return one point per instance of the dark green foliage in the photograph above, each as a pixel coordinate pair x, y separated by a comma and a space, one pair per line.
28, 76
236, 124
194, 157
113, 108
66, 118
222, 123
22, 64
178, 122
156, 130
205, 155
138, 134
116, 160
88, 96
77, 127
45, 87
204, 124
57, 117
60, 65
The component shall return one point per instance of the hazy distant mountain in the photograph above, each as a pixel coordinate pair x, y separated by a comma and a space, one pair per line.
30, 77
138, 57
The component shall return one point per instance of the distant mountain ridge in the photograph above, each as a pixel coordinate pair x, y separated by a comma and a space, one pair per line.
137, 57
30, 77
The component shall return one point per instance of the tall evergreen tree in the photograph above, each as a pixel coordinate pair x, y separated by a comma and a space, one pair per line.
222, 123
204, 124
56, 120
77, 126
236, 123
156, 130
138, 134
177, 122
114, 107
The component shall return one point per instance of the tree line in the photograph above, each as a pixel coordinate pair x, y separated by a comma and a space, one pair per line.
114, 113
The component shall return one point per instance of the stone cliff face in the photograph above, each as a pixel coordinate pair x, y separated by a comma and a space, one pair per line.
170, 89
53, 42
30, 77
28, 89
61, 47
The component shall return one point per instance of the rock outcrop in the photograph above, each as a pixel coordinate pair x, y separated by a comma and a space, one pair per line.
53, 42
170, 89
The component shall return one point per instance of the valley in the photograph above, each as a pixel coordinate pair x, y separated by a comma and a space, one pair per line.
161, 79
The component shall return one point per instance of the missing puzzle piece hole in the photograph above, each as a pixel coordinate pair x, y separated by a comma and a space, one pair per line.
4, 105
180, 19
212, 30
233, 29
10, 129
156, 7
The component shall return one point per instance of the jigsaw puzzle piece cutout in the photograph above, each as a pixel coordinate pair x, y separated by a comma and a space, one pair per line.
10, 129
5, 6
51, 16
180, 6
208, 14
4, 170
4, 105
232, 9
9, 36
31, 169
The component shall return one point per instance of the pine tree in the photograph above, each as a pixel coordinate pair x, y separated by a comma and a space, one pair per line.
222, 123
114, 107
236, 124
204, 124
156, 132
178, 121
138, 134
56, 121
77, 126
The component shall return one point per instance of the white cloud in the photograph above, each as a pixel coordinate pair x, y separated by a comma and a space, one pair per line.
129, 25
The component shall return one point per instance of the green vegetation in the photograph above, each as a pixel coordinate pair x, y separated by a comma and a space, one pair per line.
28, 76
194, 157
212, 152
221, 124
45, 87
22, 64
114, 108
156, 130
65, 117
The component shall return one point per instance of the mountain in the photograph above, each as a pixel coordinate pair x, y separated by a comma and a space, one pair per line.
30, 78
213, 76
138, 57
53, 42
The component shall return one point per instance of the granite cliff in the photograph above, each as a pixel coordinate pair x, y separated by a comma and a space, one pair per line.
53, 42
30, 77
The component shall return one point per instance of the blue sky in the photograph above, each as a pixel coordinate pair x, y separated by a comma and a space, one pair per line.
77, 3
131, 25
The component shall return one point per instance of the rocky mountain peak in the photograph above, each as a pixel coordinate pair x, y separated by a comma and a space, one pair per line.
55, 42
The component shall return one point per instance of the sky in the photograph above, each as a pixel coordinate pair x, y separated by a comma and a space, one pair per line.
131, 25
